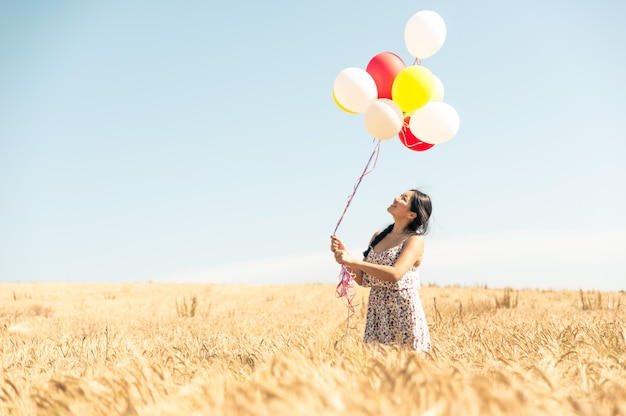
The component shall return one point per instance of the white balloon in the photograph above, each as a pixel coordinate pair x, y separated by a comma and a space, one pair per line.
383, 119
424, 33
435, 123
355, 89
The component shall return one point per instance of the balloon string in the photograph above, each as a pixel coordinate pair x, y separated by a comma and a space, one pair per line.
374, 157
345, 287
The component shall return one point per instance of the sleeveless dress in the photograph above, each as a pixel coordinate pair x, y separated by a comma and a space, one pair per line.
395, 314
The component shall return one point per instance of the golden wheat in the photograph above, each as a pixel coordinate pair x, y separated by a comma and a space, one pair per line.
168, 349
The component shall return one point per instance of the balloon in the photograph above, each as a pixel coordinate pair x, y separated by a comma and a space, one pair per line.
410, 141
383, 68
439, 90
435, 123
413, 88
383, 119
340, 106
354, 89
424, 34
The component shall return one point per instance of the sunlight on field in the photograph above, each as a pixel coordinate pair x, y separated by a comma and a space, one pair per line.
167, 349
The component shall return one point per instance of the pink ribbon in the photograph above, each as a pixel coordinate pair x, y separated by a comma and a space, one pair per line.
345, 287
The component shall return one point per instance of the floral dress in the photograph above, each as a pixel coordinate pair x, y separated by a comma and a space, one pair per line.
395, 314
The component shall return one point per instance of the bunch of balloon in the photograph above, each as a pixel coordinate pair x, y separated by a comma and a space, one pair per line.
400, 100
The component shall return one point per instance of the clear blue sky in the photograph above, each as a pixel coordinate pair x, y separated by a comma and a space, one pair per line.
198, 141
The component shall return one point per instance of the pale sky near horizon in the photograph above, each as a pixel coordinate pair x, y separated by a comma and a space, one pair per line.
198, 141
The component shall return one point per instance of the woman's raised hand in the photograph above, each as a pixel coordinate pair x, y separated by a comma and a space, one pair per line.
336, 244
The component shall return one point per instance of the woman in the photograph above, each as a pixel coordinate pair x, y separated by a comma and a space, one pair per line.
394, 314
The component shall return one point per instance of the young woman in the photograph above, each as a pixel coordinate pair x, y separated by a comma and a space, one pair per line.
394, 314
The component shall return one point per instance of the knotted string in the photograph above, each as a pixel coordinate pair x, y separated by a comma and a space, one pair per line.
345, 287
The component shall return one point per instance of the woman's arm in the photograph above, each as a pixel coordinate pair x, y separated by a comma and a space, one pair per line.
411, 255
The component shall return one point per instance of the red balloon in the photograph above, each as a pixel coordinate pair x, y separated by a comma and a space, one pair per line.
383, 68
410, 141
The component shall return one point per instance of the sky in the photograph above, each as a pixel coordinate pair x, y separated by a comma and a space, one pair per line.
198, 141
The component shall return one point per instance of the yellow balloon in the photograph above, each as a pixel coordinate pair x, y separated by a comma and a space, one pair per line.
413, 88
340, 106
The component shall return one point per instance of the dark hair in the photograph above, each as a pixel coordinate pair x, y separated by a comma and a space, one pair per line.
422, 206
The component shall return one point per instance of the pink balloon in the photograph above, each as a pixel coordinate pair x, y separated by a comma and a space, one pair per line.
383, 68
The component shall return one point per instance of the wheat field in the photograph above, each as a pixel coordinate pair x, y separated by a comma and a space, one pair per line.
192, 349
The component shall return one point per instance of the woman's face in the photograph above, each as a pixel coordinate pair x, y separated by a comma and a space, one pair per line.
401, 205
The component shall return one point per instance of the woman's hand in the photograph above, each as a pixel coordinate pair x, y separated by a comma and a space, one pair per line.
336, 244
343, 257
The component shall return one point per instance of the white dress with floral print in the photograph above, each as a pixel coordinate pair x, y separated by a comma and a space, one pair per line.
395, 314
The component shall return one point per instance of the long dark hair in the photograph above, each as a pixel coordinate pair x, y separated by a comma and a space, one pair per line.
422, 206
